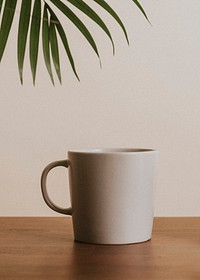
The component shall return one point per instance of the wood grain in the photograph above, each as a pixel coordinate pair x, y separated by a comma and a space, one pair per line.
43, 248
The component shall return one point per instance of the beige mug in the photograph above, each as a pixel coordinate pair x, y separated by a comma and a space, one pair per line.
111, 194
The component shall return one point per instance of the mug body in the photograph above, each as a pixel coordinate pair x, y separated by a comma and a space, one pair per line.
112, 195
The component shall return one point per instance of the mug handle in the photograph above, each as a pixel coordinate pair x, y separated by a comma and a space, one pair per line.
65, 163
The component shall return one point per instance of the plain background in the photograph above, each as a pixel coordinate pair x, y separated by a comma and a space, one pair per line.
147, 95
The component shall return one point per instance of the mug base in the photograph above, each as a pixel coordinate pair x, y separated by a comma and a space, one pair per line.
112, 244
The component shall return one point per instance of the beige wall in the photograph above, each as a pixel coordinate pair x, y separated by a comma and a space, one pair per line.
147, 95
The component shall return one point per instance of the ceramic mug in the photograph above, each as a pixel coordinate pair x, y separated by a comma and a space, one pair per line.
111, 194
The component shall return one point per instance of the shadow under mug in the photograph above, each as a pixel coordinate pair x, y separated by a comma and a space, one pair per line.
111, 194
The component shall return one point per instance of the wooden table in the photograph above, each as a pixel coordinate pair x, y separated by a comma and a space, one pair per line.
43, 248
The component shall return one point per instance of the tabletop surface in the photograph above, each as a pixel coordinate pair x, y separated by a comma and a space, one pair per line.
43, 248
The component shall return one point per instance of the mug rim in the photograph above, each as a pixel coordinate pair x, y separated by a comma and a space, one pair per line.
113, 151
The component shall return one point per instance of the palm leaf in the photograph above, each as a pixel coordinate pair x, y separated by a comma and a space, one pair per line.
1, 4
22, 34
51, 28
82, 6
64, 39
46, 42
140, 7
34, 37
7, 19
77, 22
54, 48
106, 7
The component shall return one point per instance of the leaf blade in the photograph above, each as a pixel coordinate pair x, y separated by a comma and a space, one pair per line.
54, 49
1, 4
7, 19
140, 8
34, 37
86, 9
64, 40
22, 34
110, 10
46, 42
77, 22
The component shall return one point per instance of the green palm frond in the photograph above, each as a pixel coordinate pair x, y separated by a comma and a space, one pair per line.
34, 37
77, 22
108, 8
36, 15
46, 41
1, 4
140, 7
54, 48
82, 6
63, 39
22, 34
7, 19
